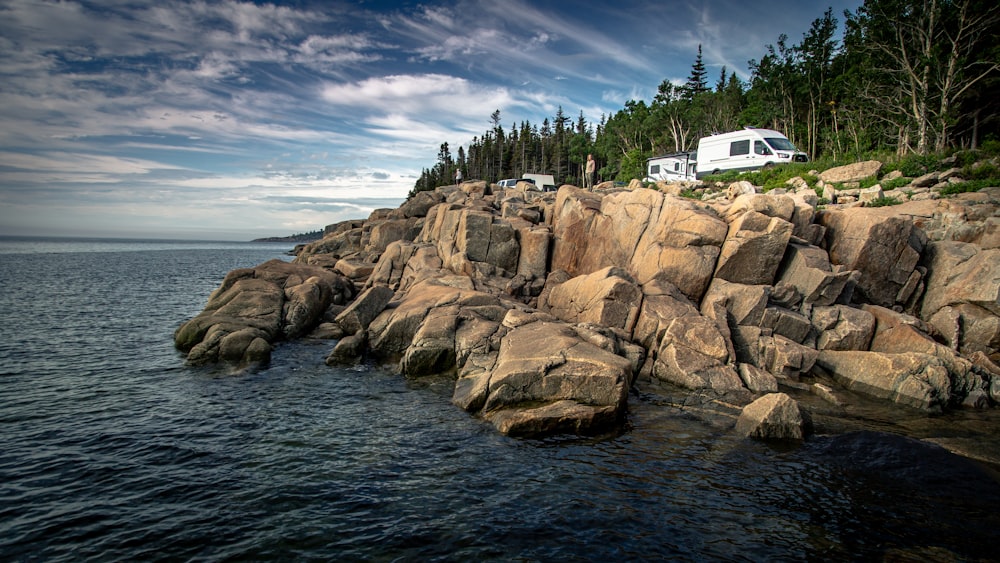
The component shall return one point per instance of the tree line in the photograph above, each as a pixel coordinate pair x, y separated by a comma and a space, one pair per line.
904, 76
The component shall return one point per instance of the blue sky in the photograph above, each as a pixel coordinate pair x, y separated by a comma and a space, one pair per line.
236, 120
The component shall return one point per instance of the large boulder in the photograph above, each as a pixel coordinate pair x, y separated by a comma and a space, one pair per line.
851, 172
360, 313
884, 248
912, 379
808, 270
775, 416
533, 259
961, 273
608, 297
662, 302
395, 330
254, 307
377, 235
744, 304
651, 234
694, 354
544, 378
753, 249
464, 235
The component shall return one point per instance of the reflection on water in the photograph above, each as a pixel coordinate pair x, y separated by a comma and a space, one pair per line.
112, 449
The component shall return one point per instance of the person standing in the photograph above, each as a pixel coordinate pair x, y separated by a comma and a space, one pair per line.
458, 175
588, 176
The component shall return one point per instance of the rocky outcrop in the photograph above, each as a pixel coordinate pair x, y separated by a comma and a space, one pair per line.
254, 307
545, 309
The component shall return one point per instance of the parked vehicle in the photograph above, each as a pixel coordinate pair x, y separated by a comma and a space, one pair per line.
512, 182
744, 150
671, 167
544, 181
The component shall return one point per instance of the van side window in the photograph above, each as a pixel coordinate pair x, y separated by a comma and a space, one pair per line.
677, 166
739, 147
760, 148
654, 169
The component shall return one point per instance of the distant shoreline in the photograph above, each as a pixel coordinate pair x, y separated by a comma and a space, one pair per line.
304, 237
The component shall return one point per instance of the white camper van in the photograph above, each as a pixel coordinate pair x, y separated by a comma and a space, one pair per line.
747, 149
545, 182
671, 167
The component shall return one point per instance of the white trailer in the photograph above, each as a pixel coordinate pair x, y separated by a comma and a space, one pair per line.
673, 167
745, 150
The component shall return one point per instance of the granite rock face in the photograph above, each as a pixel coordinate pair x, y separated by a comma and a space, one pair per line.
545, 309
255, 307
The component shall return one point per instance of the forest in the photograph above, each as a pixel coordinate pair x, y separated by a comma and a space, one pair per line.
901, 77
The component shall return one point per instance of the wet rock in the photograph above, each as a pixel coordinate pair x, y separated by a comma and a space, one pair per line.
775, 416
916, 380
561, 417
257, 306
348, 350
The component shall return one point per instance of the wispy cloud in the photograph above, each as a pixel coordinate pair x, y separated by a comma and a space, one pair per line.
167, 114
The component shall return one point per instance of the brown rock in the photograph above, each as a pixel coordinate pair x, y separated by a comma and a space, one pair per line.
961, 273
695, 355
256, 306
753, 249
851, 172
775, 416
912, 379
843, 328
360, 313
883, 247
607, 297
808, 269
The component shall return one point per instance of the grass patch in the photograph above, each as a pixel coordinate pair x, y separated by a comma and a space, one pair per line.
896, 183
770, 178
970, 186
883, 202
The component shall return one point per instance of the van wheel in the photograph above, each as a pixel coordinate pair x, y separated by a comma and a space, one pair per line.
716, 171
768, 166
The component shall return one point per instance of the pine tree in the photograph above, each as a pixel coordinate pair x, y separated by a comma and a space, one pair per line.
697, 82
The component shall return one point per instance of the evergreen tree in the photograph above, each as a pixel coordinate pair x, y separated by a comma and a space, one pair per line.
697, 82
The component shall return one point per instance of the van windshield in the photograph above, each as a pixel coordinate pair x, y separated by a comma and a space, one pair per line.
780, 143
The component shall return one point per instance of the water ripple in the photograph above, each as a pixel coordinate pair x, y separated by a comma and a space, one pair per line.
112, 450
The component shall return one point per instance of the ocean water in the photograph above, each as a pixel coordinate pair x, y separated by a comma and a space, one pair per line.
111, 449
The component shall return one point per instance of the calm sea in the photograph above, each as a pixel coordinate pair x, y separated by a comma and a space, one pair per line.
111, 449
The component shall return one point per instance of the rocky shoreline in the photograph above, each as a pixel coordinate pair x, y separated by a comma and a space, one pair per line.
547, 309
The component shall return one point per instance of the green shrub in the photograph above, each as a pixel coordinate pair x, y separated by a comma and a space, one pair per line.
984, 171
896, 183
964, 159
918, 164
883, 202
990, 147
868, 182
970, 186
